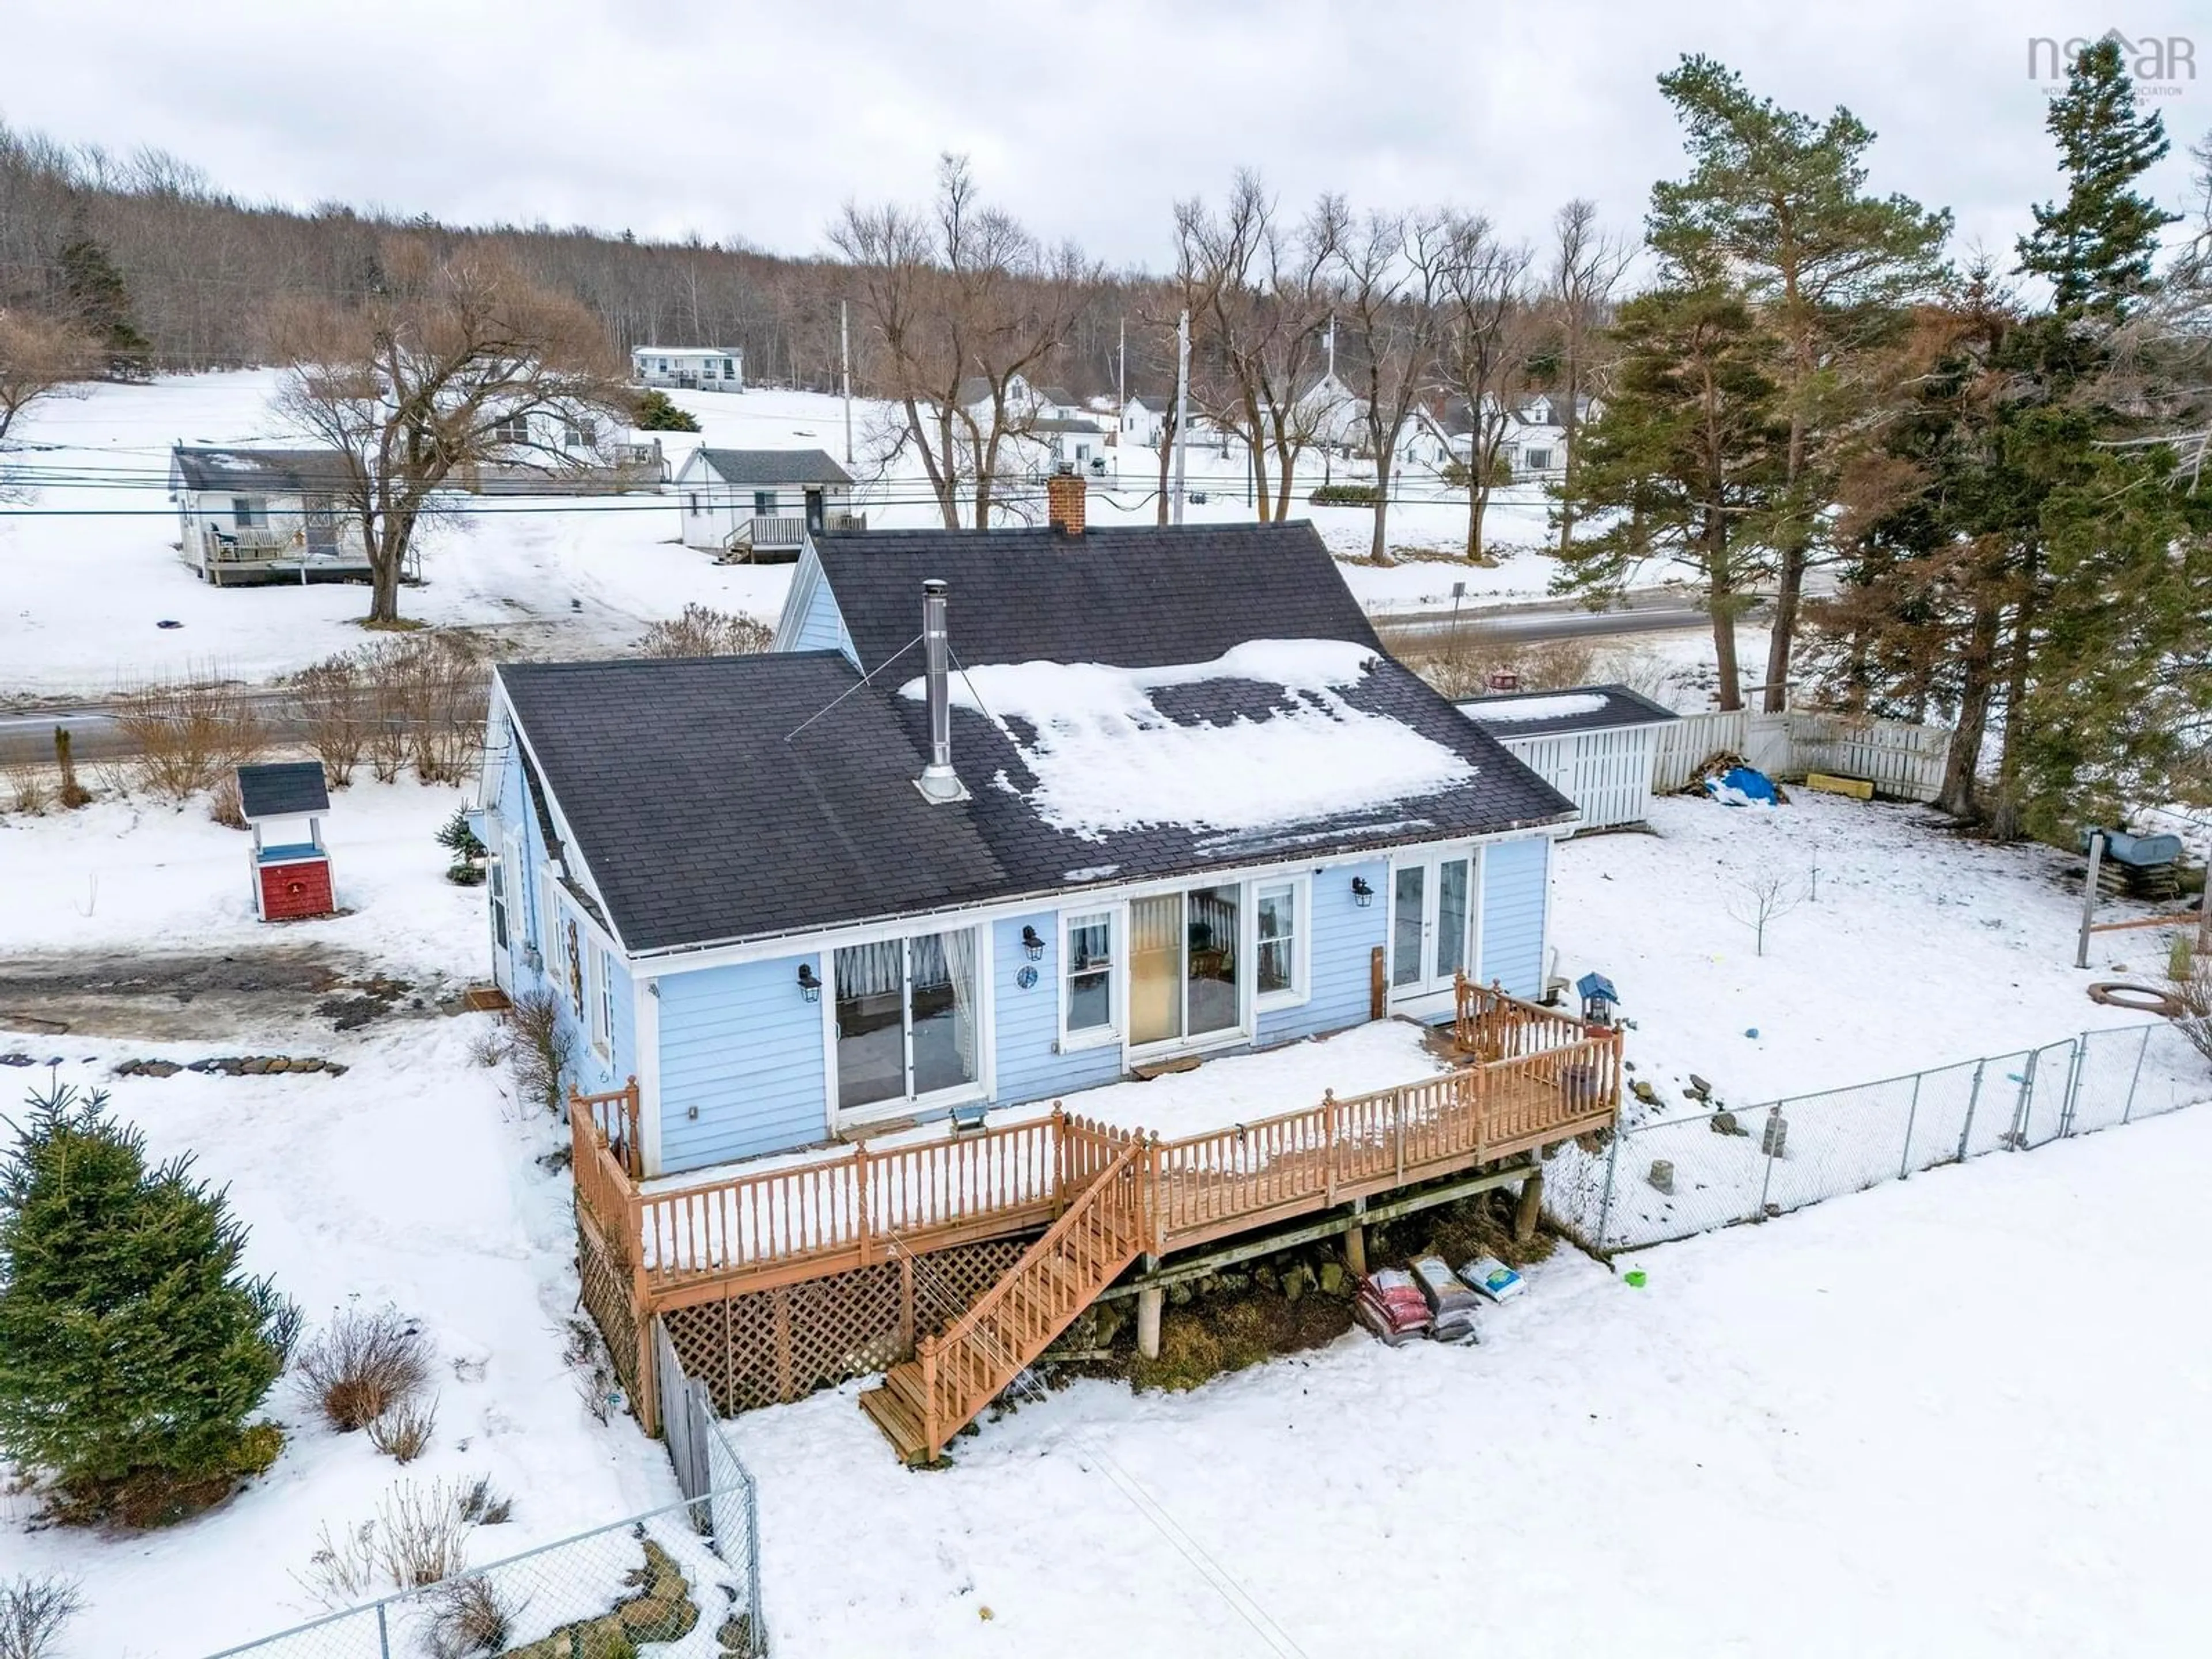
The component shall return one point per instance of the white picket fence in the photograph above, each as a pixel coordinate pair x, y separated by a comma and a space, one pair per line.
1904, 760
1607, 773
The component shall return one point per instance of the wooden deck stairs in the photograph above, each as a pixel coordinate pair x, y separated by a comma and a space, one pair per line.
923, 1402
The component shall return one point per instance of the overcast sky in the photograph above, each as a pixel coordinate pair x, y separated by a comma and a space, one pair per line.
740, 121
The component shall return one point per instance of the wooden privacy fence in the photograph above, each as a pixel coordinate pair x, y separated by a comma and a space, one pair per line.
1903, 760
1536, 1076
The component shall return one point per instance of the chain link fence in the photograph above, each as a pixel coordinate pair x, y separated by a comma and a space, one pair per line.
1670, 1177
680, 1582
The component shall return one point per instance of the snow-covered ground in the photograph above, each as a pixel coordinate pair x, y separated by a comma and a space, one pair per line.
89, 571
1911, 946
1868, 1428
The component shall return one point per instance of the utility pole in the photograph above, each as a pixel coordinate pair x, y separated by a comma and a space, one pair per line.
1182, 404
845, 357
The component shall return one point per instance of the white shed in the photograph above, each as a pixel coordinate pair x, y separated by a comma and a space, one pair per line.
1594, 743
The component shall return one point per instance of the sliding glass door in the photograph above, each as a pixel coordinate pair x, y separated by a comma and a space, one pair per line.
906, 1015
1431, 905
1186, 965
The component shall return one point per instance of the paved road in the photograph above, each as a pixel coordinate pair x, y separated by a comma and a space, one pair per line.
28, 735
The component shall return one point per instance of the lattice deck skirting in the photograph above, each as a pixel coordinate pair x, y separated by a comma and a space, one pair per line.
763, 1348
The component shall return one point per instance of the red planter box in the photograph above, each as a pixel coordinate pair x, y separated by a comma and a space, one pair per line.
299, 887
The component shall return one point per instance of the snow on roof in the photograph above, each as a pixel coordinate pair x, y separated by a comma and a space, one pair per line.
1107, 757
1536, 708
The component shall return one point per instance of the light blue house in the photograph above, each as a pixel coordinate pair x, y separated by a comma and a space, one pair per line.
1003, 816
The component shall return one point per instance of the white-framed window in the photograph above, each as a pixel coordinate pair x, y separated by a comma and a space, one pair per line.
511, 429
603, 1001
1540, 460
1282, 950
763, 503
1090, 1009
249, 511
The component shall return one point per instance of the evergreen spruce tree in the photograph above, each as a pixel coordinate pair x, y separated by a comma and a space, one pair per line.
658, 412
2096, 247
132, 1348
100, 302
1690, 463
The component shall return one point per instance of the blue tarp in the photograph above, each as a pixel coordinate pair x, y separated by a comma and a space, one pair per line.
1741, 785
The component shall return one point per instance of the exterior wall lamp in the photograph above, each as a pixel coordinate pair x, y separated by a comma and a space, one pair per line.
1362, 894
810, 986
1032, 946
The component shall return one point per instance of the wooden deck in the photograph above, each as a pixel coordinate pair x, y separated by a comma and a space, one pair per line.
1532, 1077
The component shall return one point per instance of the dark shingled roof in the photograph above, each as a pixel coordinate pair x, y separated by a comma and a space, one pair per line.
262, 472
700, 822
1622, 708
775, 466
1143, 597
282, 789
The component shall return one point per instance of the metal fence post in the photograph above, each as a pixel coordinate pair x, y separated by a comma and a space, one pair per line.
2136, 1076
1911, 1116
1605, 1204
1769, 1141
383, 1635
2072, 1098
1973, 1098
2024, 1102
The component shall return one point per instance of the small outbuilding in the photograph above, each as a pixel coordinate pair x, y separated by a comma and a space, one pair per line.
1594, 743
283, 803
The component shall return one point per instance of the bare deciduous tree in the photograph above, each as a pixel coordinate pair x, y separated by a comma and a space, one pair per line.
1390, 270
1587, 266
1264, 297
966, 306
40, 357
439, 370
1764, 895
1490, 331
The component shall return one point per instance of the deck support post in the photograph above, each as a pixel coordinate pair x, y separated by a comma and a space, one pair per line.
1149, 1303
1530, 1207
1355, 1242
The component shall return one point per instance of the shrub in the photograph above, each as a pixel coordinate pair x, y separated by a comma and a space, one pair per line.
491, 1045
403, 1431
700, 632
188, 733
68, 792
334, 706
362, 1364
658, 412
1345, 495
2192, 989
32, 1612
225, 805
482, 1505
593, 1368
468, 1617
132, 1347
542, 1047
417, 1537
26, 790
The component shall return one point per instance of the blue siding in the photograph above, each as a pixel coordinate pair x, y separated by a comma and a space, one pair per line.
741, 1047
1029, 1021
821, 625
1344, 938
1514, 877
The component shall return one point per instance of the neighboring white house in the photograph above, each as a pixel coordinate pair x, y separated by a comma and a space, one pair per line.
693, 368
1144, 423
544, 452
761, 503
1329, 414
266, 516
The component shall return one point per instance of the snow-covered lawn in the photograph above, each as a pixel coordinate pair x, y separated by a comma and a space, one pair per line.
1920, 949
1877, 1427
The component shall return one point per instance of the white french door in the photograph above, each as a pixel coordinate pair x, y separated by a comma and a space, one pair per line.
1432, 923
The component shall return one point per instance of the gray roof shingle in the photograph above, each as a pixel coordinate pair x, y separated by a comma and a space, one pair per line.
748, 467
1622, 707
279, 789
262, 472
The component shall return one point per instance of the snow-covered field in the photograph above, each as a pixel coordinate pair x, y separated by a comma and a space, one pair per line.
88, 569
1875, 1427
1911, 946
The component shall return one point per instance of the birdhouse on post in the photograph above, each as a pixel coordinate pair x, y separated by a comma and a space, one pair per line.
283, 803
1599, 999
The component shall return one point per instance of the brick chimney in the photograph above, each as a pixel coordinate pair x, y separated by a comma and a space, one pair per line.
1063, 495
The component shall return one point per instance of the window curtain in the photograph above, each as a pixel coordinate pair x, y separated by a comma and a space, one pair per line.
960, 968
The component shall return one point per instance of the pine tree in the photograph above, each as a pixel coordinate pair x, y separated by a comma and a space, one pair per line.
132, 1348
100, 301
2096, 246
658, 412
1688, 463
1779, 199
